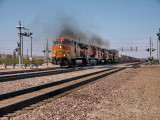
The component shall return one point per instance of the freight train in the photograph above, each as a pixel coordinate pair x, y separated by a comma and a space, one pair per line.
66, 52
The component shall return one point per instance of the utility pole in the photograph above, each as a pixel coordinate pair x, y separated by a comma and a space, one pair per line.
46, 53
19, 49
31, 46
27, 54
22, 52
157, 49
31, 59
158, 34
150, 48
19, 43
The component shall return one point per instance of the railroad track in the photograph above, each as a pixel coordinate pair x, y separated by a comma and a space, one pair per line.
13, 101
42, 69
14, 75
24, 71
5, 78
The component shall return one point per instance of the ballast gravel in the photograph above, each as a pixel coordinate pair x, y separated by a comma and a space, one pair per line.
29, 82
129, 94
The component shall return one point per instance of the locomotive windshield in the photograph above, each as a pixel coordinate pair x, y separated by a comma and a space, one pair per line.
57, 43
68, 43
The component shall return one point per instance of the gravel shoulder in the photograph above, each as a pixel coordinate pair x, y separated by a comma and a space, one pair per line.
138, 99
129, 94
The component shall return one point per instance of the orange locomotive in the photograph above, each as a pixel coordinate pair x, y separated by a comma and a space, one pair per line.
66, 52
69, 52
61, 50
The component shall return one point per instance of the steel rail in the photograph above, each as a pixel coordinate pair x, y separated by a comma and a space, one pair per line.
37, 74
23, 103
24, 71
38, 87
18, 105
39, 69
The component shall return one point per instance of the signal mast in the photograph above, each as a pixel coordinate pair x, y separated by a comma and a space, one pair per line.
158, 34
150, 50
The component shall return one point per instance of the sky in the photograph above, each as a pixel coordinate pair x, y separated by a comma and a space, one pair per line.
120, 23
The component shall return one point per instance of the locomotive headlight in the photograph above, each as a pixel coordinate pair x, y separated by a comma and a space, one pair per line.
64, 55
60, 46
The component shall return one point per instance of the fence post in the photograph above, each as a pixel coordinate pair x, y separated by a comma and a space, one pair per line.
5, 66
37, 66
25, 65
13, 65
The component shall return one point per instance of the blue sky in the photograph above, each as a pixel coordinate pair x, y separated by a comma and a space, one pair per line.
123, 23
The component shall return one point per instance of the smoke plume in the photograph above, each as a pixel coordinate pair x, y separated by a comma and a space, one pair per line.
73, 32
65, 26
95, 40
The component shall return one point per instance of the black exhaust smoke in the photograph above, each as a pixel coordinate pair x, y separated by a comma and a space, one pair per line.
72, 31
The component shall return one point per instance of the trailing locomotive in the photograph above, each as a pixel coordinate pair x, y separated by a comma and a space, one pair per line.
66, 52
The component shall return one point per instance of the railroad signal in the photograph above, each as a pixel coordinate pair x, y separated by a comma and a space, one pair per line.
16, 49
27, 34
20, 45
150, 50
158, 34
30, 33
46, 53
158, 44
153, 49
147, 50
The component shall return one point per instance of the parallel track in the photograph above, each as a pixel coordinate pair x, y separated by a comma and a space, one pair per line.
12, 101
14, 75
6, 78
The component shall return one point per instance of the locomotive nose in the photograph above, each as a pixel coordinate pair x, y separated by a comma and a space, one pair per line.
57, 51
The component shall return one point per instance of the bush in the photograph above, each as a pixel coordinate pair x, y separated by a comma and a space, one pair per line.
25, 61
10, 60
6, 60
38, 61
9, 56
156, 61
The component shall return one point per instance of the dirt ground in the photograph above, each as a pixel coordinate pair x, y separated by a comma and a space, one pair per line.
137, 99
